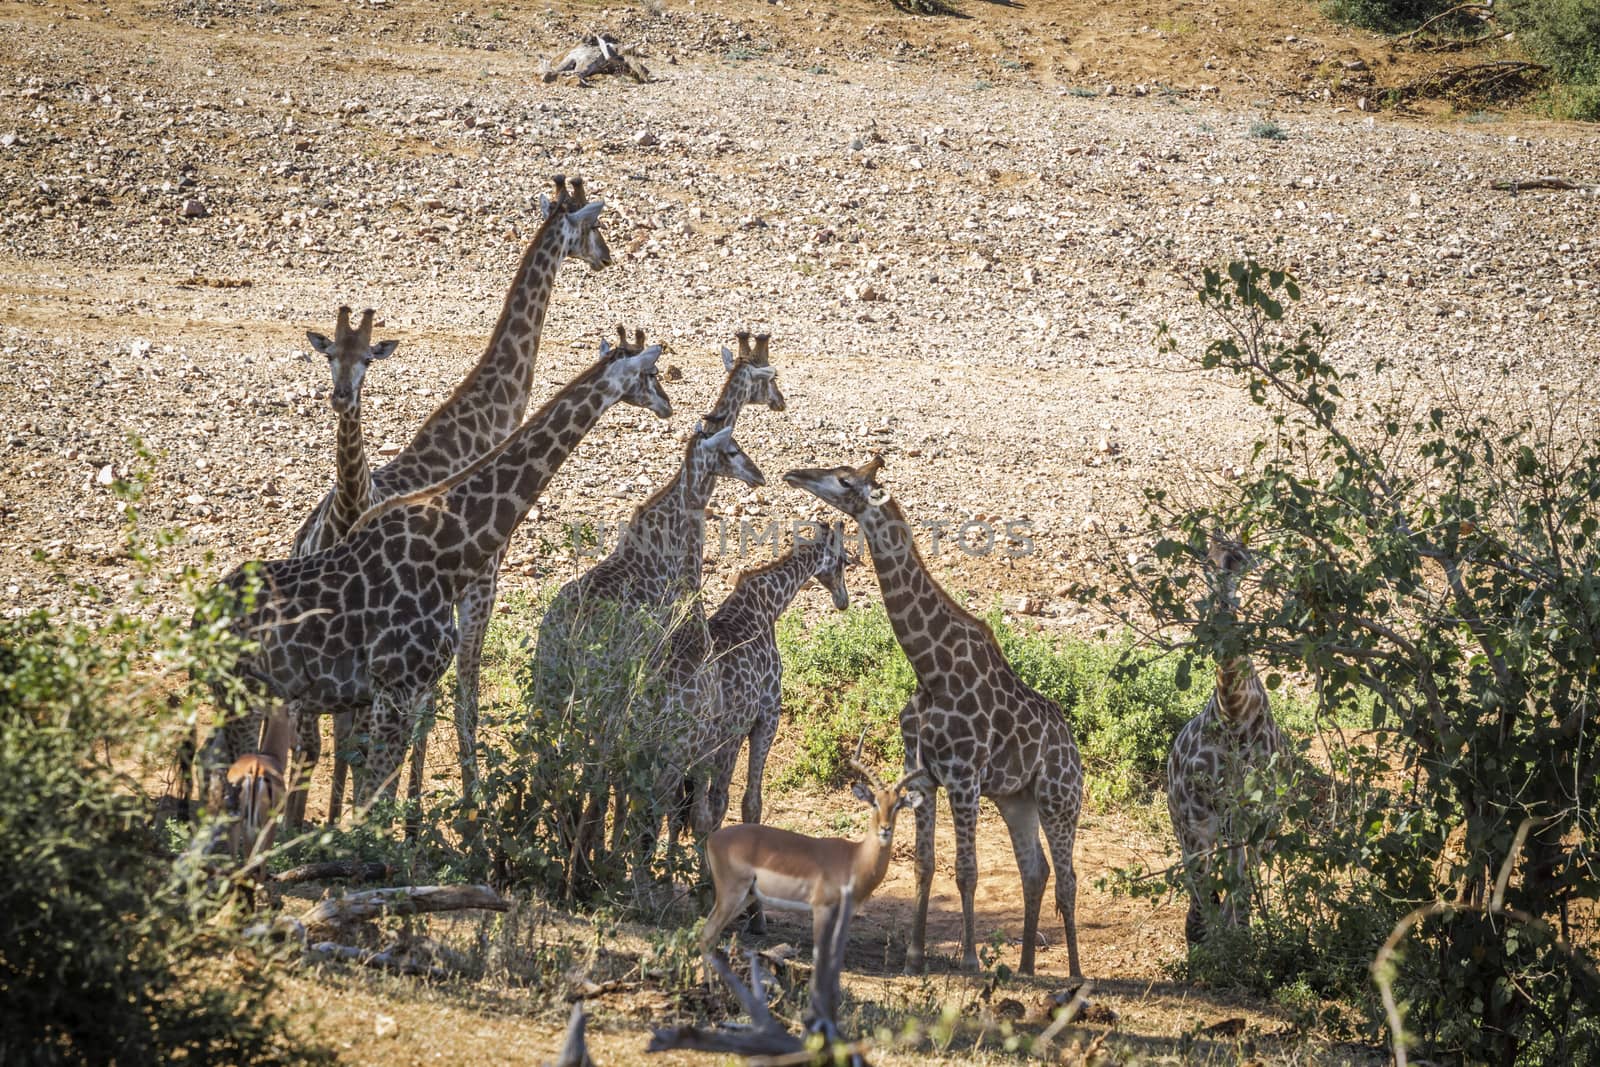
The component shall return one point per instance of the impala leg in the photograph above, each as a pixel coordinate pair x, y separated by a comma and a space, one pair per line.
729, 900
964, 812
1021, 814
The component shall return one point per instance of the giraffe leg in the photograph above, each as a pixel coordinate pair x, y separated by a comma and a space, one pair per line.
1021, 814
1060, 817
473, 611
964, 812
419, 762
390, 717
309, 729
761, 737
344, 725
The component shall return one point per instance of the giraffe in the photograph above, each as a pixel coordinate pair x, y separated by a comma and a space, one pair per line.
368, 625
750, 672
349, 353
749, 675
485, 407
654, 570
980, 730
638, 604
1234, 734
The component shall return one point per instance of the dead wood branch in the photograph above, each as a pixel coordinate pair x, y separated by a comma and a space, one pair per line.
1517, 185
345, 870
765, 1036
1508, 77
399, 900
1483, 12
590, 990
389, 959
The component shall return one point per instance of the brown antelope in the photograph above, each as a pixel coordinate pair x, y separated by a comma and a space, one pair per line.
827, 875
256, 788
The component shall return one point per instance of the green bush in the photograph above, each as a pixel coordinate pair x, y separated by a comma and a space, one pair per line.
1386, 16
110, 950
1437, 564
848, 675
1565, 36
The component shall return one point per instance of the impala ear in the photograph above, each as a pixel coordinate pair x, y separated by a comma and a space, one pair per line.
914, 798
863, 793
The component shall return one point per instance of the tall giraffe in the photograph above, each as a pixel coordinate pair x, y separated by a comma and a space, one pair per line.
368, 625
484, 409
349, 353
981, 731
1233, 735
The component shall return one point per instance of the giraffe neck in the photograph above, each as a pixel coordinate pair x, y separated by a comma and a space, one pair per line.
1241, 698
669, 529
734, 396
469, 519
764, 593
352, 490
490, 402
922, 613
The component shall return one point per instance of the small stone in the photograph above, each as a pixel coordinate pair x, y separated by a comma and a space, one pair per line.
1415, 199
389, 448
193, 209
384, 1025
106, 475
673, 373
646, 139
1355, 64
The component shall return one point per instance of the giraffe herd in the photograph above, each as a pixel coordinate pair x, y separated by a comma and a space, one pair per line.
393, 576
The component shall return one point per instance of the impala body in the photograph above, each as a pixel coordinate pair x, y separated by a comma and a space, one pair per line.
799, 873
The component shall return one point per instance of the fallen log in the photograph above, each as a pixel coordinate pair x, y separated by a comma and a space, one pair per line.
1517, 185
347, 870
399, 900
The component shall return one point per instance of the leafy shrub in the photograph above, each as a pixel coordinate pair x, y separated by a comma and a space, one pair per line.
1438, 563
848, 675
1565, 36
107, 942
1386, 16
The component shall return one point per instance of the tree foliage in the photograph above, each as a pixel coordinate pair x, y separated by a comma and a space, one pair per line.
1434, 559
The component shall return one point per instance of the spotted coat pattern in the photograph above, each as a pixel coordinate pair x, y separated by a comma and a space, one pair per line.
978, 729
368, 626
1234, 734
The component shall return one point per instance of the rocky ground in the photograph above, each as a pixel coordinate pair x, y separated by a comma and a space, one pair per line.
960, 233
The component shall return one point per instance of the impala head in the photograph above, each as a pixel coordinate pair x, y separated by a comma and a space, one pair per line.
722, 456
751, 377
631, 371
579, 219
885, 800
348, 355
852, 490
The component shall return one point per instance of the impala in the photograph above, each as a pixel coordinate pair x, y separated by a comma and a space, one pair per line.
256, 788
795, 872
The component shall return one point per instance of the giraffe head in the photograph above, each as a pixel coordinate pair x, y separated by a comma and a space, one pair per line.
579, 222
348, 355
631, 372
751, 379
853, 490
718, 454
831, 568
885, 800
1228, 558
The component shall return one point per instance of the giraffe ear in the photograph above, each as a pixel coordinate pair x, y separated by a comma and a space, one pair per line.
721, 437
648, 356
763, 374
727, 358
586, 215
320, 342
382, 350
545, 206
